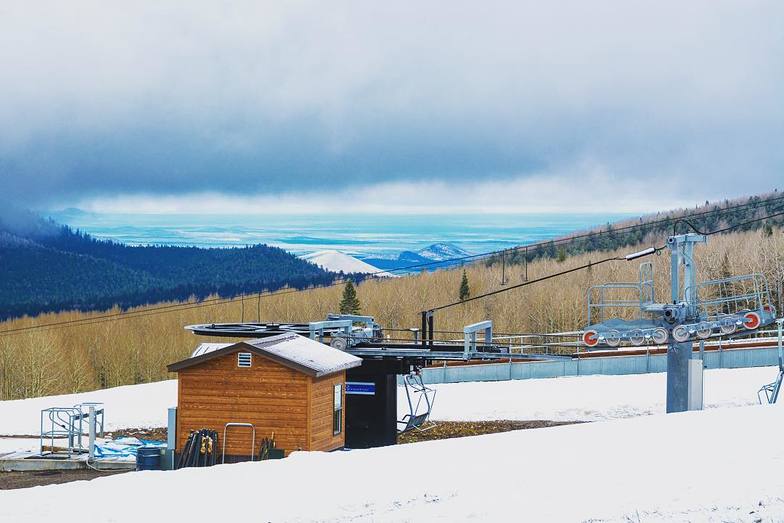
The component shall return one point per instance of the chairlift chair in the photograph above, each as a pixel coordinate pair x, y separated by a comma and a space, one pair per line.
771, 390
420, 399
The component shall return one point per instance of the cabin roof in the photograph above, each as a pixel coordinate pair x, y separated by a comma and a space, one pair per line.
289, 349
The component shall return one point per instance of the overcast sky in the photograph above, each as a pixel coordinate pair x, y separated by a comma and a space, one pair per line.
396, 106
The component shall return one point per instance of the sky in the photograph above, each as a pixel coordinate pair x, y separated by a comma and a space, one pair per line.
442, 106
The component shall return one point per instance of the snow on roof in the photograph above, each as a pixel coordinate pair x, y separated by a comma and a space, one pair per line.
204, 348
337, 261
289, 349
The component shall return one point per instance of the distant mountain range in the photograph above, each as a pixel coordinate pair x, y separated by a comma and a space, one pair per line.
337, 261
45, 266
440, 253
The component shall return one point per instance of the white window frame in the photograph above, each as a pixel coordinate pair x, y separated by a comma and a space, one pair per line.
337, 409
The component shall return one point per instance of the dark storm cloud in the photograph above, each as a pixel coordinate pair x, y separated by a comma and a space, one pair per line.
263, 98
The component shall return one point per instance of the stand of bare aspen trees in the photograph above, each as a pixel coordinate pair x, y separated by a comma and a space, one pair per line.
137, 349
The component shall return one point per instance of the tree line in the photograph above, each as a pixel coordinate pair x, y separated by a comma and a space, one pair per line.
55, 268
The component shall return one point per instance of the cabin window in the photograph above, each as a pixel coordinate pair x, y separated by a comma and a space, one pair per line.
337, 411
244, 359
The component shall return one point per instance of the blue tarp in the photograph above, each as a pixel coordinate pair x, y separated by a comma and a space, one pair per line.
123, 448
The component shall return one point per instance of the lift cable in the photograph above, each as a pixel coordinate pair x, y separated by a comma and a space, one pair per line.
749, 222
543, 278
625, 228
150, 311
629, 257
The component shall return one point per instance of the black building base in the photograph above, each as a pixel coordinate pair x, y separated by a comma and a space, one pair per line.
371, 403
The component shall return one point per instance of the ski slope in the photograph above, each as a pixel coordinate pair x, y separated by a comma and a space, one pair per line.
579, 398
337, 261
716, 465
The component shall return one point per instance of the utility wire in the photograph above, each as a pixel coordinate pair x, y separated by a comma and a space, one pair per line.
530, 282
616, 258
569, 239
737, 225
219, 301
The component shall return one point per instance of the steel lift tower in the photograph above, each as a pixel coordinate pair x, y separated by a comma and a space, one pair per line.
730, 306
681, 375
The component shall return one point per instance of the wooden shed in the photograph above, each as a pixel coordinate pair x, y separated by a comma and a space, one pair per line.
286, 385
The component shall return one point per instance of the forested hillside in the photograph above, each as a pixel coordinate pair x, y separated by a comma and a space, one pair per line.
704, 218
48, 267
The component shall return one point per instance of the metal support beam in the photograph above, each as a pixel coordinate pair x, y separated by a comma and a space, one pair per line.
678, 356
171, 437
696, 372
427, 328
316, 328
469, 334
368, 321
777, 386
91, 432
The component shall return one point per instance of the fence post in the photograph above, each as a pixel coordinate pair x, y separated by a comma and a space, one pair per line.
91, 432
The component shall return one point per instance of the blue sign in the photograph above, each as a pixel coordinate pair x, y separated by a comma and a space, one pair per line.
362, 388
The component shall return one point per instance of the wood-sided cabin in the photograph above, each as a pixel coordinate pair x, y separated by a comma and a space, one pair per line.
286, 385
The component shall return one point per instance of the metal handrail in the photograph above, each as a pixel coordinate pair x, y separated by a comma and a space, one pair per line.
253, 439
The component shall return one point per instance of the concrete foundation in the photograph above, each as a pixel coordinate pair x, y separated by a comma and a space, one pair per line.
33, 462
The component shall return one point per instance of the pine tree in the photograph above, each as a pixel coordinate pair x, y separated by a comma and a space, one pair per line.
465, 291
349, 303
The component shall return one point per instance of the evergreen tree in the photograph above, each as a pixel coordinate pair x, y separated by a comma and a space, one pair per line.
767, 230
349, 303
465, 291
561, 255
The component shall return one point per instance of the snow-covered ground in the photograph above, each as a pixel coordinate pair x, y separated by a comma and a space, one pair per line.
589, 398
584, 398
142, 405
721, 464
717, 465
337, 261
8, 445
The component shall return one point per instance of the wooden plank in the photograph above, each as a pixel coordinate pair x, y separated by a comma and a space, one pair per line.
246, 392
246, 400
309, 413
251, 381
246, 417
321, 436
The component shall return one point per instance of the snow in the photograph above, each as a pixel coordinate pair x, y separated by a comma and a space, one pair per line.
299, 350
8, 445
718, 465
204, 348
588, 398
583, 398
143, 405
321, 358
442, 252
120, 449
721, 464
337, 261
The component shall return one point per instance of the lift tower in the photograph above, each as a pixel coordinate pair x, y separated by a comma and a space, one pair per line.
696, 311
686, 311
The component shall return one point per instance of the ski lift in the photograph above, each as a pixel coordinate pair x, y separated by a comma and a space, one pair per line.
736, 305
420, 402
771, 390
